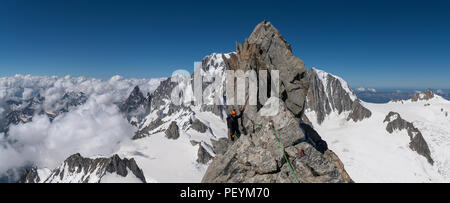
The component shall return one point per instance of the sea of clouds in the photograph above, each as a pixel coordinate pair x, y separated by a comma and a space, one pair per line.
95, 128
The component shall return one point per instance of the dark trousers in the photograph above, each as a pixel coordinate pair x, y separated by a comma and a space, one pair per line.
234, 132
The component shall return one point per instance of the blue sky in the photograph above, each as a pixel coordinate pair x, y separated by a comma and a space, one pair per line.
399, 44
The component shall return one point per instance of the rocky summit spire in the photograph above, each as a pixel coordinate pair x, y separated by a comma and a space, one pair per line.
136, 106
261, 154
266, 49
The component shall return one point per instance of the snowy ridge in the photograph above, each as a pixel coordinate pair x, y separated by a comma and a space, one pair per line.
77, 169
167, 160
371, 154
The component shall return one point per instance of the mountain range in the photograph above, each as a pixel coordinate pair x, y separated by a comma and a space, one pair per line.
399, 141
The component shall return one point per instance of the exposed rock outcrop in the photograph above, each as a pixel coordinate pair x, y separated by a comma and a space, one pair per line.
221, 146
136, 106
328, 93
30, 176
266, 49
173, 131
418, 143
77, 169
197, 125
160, 110
423, 96
144, 132
213, 69
258, 158
203, 156
359, 112
256, 155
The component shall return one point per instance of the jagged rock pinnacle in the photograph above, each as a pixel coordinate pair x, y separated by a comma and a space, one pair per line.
266, 49
255, 156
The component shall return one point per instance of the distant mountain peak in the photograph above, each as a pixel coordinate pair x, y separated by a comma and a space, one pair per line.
329, 93
423, 96
136, 106
78, 169
136, 90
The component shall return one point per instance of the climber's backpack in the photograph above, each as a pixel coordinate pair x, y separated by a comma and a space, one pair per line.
313, 138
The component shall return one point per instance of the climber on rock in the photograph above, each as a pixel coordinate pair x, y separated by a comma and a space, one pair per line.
233, 124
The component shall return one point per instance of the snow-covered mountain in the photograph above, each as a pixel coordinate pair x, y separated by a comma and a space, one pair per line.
171, 143
174, 143
22, 110
44, 120
136, 106
77, 169
401, 141
331, 94
48, 123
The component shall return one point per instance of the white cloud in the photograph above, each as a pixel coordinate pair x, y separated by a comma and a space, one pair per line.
95, 128
27, 93
361, 89
439, 91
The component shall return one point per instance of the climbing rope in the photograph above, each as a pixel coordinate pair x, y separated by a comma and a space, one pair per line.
284, 154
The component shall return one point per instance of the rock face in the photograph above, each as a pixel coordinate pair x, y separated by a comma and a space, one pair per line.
161, 111
30, 176
328, 93
418, 143
257, 158
203, 156
221, 146
256, 155
173, 132
198, 125
77, 169
136, 106
144, 132
212, 69
423, 96
358, 112
167, 117
21, 111
266, 49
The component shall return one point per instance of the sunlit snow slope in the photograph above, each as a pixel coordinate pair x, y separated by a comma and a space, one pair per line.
371, 154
